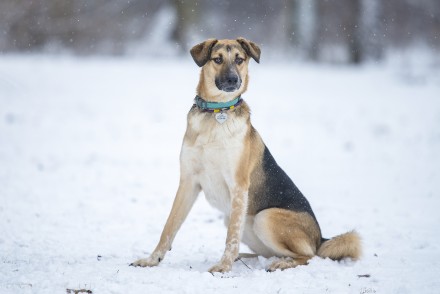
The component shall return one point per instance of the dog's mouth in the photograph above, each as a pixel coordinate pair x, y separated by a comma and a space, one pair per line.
229, 89
229, 83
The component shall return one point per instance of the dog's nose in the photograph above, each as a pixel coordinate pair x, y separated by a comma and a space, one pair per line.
232, 80
228, 82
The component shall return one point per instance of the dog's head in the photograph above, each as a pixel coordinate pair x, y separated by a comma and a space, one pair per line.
225, 62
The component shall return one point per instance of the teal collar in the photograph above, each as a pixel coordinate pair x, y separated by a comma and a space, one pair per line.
216, 106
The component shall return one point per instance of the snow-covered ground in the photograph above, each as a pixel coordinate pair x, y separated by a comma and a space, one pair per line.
89, 166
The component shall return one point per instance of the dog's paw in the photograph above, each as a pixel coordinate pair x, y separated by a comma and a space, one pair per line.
282, 264
146, 262
220, 268
275, 266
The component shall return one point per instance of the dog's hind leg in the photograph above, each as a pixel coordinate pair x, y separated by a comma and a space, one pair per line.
293, 236
185, 198
288, 262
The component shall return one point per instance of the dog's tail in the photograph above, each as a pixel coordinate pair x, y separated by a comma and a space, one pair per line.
342, 246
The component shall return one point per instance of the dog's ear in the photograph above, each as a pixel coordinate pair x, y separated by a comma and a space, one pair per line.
201, 53
250, 48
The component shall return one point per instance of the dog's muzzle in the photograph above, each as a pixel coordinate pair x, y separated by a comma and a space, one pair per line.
228, 83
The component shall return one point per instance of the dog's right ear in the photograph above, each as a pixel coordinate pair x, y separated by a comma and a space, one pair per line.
201, 53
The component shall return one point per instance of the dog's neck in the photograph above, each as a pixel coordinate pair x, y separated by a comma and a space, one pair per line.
216, 106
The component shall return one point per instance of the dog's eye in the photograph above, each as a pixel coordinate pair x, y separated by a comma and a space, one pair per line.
218, 60
239, 60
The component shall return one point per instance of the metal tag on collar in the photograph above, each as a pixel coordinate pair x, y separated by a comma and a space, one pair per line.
221, 117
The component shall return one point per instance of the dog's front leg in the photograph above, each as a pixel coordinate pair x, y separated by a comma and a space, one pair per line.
235, 229
185, 198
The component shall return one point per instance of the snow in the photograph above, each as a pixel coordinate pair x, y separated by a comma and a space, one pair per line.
89, 166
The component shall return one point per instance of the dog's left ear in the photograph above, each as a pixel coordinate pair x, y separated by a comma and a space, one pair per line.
201, 53
250, 48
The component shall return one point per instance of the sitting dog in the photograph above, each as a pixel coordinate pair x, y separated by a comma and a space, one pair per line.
223, 155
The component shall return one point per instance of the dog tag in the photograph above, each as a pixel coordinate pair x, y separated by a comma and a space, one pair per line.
221, 117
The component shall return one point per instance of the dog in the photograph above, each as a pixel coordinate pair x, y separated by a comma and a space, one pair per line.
223, 155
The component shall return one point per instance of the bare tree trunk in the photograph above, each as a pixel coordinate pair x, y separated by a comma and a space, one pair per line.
372, 28
185, 18
353, 34
317, 11
292, 22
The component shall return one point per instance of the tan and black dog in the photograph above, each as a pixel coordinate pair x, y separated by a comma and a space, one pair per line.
223, 155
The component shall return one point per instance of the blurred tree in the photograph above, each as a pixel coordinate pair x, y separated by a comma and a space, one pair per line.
83, 26
352, 31
323, 30
292, 23
350, 24
185, 21
371, 29
318, 31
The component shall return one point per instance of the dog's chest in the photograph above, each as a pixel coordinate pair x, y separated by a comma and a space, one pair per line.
211, 154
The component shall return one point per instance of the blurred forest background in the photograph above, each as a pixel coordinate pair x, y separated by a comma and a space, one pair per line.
349, 31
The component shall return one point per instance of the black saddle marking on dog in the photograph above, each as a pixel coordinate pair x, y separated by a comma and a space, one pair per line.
278, 190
